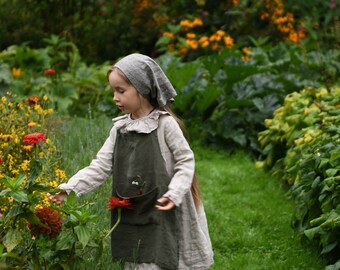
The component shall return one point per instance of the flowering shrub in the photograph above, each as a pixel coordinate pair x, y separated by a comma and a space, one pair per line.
302, 145
50, 218
283, 21
189, 36
23, 138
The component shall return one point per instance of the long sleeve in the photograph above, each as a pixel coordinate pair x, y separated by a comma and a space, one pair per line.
183, 158
96, 173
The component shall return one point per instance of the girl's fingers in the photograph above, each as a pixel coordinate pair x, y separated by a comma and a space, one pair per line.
164, 204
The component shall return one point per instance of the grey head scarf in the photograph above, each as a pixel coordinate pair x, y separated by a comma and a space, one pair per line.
147, 77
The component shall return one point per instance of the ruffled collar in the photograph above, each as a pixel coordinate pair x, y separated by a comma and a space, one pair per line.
146, 124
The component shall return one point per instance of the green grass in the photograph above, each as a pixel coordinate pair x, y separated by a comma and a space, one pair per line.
248, 212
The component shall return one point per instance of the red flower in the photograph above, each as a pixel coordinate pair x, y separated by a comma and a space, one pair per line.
34, 138
1, 160
49, 71
33, 100
115, 202
49, 217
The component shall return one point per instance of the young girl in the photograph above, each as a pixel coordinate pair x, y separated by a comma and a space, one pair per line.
153, 167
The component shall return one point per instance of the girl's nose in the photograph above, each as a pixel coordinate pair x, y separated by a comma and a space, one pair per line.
115, 97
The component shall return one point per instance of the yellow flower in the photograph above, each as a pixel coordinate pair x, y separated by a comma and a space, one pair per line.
3, 99
169, 35
28, 147
220, 33
190, 35
228, 42
192, 43
246, 51
16, 72
32, 124
245, 58
197, 22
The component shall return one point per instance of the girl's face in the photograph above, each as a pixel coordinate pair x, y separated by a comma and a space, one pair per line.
126, 97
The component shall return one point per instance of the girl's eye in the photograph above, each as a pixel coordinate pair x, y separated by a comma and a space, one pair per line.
119, 90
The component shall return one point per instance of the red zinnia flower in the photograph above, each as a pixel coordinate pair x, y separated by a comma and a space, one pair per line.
49, 217
115, 202
118, 202
34, 138
49, 71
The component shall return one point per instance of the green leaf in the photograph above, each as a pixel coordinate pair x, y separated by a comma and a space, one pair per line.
83, 234
310, 233
65, 242
19, 196
331, 172
35, 170
12, 239
329, 247
71, 199
15, 211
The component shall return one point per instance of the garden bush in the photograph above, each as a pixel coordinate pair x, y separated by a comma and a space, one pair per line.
225, 97
102, 31
302, 145
73, 87
35, 234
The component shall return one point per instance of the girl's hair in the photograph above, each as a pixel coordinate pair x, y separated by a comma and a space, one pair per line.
195, 190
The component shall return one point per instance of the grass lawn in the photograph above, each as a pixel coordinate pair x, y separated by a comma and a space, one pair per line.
248, 212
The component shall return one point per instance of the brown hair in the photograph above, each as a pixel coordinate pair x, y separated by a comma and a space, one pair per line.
195, 190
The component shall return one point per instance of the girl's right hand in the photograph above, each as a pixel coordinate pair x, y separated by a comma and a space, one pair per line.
57, 198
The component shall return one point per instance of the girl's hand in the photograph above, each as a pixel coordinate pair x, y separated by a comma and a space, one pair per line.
165, 204
57, 198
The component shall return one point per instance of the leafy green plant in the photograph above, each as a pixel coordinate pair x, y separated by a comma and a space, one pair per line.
301, 144
58, 237
232, 93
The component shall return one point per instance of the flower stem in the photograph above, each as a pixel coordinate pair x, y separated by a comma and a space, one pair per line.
116, 224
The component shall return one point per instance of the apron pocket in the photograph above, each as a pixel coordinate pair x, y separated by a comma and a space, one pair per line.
143, 210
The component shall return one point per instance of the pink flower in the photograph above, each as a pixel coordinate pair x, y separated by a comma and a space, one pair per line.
0, 215
333, 4
34, 138
49, 71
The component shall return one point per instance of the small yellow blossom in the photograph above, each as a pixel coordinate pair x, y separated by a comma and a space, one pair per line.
190, 35
169, 35
32, 124
16, 72
246, 51
228, 42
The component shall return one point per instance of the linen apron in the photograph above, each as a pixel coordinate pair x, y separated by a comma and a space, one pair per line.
145, 234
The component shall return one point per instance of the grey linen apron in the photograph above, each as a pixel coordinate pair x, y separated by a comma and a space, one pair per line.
145, 234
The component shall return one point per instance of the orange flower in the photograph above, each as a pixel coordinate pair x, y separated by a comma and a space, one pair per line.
34, 138
33, 100
115, 202
49, 217
16, 72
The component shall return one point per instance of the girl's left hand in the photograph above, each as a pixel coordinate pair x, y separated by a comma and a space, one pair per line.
165, 204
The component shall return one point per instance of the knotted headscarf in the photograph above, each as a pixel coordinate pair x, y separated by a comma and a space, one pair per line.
147, 77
